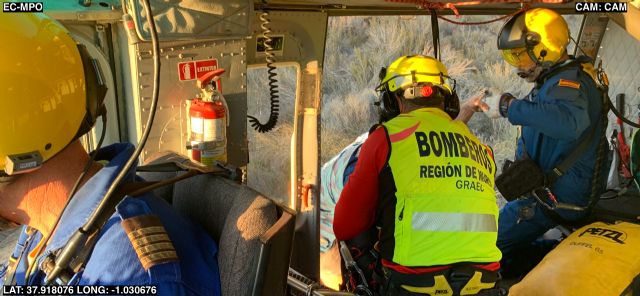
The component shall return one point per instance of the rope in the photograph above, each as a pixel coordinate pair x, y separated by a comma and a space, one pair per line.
428, 5
478, 23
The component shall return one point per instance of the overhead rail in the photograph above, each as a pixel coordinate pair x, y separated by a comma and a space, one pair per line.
418, 7
480, 23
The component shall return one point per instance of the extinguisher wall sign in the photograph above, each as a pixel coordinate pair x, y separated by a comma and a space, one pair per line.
187, 71
193, 70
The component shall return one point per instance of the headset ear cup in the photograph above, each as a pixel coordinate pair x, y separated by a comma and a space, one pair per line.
532, 39
394, 108
388, 107
382, 73
96, 91
452, 104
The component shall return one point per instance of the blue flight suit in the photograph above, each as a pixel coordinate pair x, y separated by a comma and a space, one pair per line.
554, 117
114, 260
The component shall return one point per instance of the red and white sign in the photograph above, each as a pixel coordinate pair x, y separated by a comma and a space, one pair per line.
196, 69
187, 71
205, 66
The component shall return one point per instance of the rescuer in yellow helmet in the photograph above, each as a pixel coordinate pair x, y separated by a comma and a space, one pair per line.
427, 182
51, 93
533, 41
563, 110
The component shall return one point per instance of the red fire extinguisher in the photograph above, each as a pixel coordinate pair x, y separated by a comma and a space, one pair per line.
208, 119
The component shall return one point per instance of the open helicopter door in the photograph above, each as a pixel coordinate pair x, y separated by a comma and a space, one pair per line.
253, 232
298, 39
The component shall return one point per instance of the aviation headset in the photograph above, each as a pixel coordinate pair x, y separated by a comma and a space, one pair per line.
96, 90
387, 104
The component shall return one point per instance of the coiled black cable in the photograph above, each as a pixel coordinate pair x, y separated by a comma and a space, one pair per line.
273, 80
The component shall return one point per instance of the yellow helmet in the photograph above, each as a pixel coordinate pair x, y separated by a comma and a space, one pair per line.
46, 100
537, 36
414, 77
415, 69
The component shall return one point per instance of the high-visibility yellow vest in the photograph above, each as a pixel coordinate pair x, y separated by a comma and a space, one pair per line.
446, 208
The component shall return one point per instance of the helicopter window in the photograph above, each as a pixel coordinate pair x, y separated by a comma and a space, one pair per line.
269, 166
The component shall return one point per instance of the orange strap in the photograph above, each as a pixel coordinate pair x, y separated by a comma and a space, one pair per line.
428, 5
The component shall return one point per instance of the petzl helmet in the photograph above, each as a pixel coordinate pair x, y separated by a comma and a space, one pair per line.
416, 77
51, 91
537, 36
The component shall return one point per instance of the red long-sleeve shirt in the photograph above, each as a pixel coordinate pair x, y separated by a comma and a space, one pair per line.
356, 209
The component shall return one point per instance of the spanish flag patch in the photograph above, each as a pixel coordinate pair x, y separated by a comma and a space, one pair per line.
569, 83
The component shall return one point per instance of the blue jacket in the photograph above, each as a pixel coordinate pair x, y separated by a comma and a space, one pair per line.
554, 117
114, 260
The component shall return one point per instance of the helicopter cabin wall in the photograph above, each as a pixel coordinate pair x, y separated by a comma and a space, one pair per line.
194, 40
620, 56
182, 63
614, 40
212, 35
615, 43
